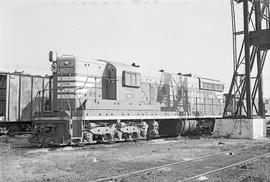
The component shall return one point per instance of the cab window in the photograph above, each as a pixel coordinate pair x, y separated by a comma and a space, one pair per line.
131, 79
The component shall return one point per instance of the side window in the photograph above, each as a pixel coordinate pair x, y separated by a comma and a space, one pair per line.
127, 79
215, 86
138, 80
131, 79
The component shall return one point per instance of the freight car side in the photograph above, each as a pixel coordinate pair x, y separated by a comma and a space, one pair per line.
18, 101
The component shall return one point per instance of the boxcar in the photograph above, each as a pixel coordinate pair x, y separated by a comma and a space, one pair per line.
18, 99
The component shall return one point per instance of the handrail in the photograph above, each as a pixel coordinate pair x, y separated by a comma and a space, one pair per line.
201, 105
65, 92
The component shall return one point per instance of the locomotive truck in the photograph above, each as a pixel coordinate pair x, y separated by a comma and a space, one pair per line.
89, 101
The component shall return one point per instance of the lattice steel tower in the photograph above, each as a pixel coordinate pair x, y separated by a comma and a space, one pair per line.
250, 46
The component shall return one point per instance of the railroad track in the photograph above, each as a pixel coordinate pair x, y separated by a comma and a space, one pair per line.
201, 166
227, 167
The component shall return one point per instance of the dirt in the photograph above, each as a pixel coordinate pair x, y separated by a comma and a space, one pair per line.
104, 160
256, 171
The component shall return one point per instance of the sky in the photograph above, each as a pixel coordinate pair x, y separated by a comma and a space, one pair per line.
187, 36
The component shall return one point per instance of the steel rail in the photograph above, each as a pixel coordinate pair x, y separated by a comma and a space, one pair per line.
175, 163
226, 167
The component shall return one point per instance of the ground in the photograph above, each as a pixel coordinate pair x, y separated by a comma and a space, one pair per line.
97, 161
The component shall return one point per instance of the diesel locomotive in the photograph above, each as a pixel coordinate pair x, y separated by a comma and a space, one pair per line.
89, 101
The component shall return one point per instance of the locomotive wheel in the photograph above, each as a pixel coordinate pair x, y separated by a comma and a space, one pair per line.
99, 139
124, 136
45, 141
87, 136
127, 136
118, 135
108, 137
135, 136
